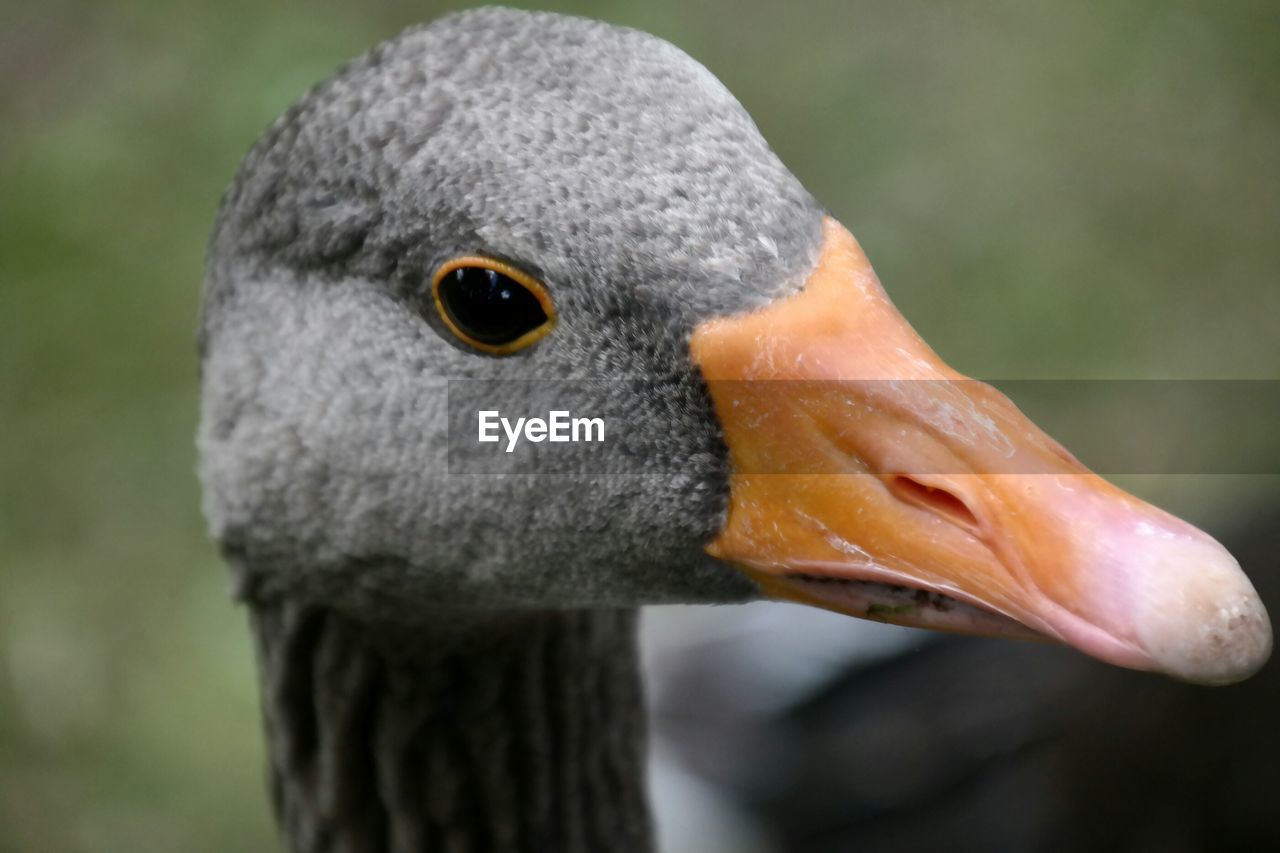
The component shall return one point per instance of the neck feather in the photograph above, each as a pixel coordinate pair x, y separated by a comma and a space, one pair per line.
469, 732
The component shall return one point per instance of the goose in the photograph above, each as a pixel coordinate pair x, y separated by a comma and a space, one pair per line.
578, 217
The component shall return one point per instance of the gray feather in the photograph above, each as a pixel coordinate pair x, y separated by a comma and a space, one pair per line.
601, 159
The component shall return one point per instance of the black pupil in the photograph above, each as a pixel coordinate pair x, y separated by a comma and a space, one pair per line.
488, 306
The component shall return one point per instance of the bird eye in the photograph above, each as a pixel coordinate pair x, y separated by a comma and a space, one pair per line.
491, 306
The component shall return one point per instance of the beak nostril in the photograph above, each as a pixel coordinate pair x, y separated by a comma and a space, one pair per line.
934, 499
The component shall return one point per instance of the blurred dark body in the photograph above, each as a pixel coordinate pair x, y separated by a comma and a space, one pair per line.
983, 745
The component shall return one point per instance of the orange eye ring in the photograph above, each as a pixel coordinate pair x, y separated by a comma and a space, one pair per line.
534, 288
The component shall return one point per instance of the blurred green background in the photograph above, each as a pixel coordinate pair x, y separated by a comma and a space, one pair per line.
1046, 189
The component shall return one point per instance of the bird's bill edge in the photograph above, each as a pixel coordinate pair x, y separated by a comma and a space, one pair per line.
870, 478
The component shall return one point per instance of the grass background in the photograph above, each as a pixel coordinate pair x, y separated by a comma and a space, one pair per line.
1046, 189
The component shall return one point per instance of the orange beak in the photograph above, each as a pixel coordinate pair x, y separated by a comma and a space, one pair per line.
872, 479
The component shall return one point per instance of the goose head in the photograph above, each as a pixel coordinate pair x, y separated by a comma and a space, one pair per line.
505, 197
